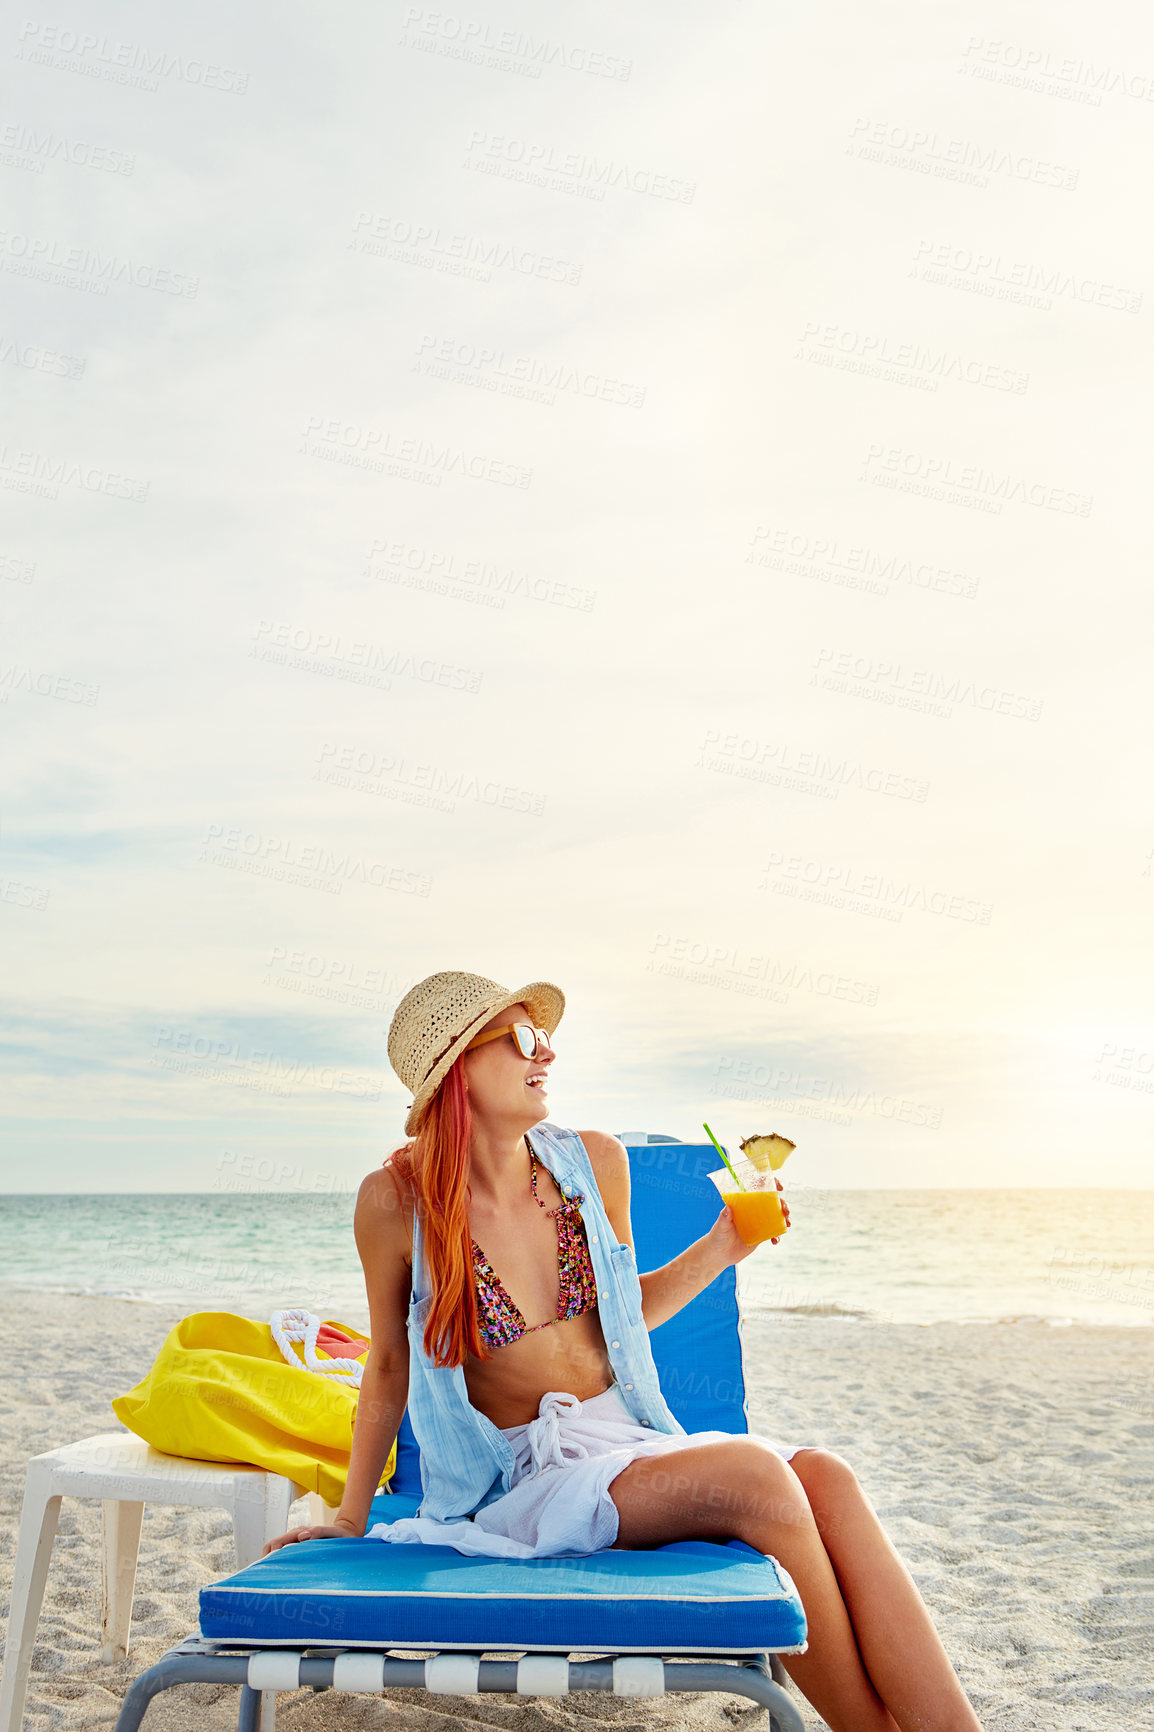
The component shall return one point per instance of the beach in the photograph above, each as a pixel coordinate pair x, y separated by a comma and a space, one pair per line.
1012, 1464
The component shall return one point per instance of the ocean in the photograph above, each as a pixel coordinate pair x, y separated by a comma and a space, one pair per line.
926, 1257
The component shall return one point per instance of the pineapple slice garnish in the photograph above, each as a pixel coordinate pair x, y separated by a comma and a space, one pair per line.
767, 1152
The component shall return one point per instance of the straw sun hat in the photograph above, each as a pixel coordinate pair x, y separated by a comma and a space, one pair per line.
437, 1018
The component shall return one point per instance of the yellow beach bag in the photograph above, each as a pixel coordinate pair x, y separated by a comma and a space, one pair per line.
221, 1390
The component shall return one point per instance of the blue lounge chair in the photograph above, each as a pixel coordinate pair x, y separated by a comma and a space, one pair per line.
691, 1616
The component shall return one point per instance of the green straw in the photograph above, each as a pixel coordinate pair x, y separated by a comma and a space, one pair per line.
723, 1155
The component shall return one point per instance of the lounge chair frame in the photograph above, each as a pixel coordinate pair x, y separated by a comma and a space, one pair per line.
259, 1672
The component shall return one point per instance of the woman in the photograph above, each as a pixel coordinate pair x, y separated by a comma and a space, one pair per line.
507, 1314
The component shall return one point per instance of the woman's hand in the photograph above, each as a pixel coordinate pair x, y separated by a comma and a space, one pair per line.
341, 1530
727, 1241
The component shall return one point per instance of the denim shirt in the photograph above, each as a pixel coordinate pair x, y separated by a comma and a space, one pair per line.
466, 1462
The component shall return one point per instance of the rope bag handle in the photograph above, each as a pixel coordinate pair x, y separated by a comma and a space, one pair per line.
303, 1327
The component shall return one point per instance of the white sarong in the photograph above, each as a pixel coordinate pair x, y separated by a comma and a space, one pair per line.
558, 1504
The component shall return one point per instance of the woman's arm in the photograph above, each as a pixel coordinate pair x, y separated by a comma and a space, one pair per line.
382, 1236
384, 1393
666, 1290
383, 1242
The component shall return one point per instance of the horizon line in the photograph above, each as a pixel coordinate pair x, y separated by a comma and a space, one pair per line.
352, 1191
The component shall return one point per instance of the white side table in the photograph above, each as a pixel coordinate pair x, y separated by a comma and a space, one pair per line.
125, 1473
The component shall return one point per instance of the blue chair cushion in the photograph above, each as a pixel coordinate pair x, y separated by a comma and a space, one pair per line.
698, 1352
690, 1598
406, 1478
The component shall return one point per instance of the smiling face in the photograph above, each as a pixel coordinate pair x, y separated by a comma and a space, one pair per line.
507, 1093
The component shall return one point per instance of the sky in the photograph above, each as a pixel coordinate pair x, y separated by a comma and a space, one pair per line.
652, 501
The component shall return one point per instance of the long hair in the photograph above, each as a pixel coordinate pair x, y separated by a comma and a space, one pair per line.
437, 1160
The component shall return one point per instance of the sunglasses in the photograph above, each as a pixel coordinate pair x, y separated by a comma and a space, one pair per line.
527, 1039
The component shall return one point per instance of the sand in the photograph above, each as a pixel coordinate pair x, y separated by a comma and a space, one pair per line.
1012, 1464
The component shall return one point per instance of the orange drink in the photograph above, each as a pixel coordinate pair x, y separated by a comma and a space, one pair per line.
757, 1210
757, 1215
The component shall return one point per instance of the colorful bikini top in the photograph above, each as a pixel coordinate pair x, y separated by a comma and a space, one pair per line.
498, 1319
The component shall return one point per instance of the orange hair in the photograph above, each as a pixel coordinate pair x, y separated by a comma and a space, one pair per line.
437, 1160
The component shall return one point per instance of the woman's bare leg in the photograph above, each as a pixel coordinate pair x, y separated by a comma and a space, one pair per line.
743, 1490
900, 1648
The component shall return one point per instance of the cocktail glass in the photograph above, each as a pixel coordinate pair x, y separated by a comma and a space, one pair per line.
757, 1210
